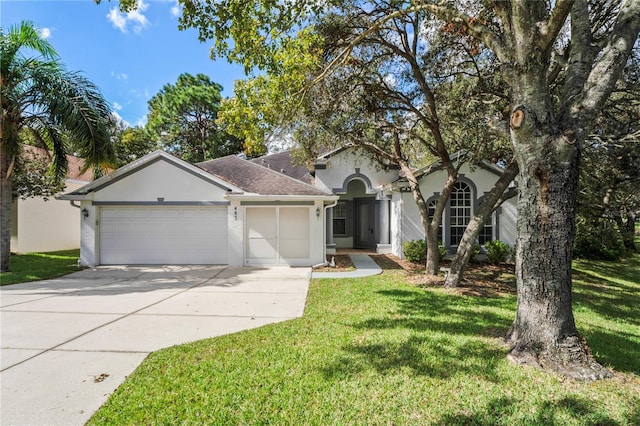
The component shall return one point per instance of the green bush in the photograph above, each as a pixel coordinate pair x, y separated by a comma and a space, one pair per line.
415, 251
497, 251
598, 241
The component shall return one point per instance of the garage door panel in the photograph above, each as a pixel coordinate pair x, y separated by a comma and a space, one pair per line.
294, 249
163, 235
277, 235
294, 223
262, 249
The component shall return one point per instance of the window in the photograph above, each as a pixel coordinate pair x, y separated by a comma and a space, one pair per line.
340, 218
486, 233
460, 211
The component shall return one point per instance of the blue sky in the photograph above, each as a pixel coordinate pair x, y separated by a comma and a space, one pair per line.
128, 56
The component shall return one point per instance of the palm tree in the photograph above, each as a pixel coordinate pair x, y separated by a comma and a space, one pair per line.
38, 95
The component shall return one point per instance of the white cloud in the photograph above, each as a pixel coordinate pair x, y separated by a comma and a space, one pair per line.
175, 10
117, 19
134, 19
117, 106
119, 76
120, 119
45, 32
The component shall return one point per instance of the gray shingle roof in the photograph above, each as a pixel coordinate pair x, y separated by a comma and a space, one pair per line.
257, 179
282, 162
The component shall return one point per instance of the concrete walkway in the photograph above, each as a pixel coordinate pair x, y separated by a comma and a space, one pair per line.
68, 343
365, 267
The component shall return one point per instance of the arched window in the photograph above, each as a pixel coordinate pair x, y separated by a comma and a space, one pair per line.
460, 211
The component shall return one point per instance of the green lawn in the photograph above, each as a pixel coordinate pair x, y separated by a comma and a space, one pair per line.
40, 266
381, 351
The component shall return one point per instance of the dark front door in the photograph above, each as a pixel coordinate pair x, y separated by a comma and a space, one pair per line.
364, 232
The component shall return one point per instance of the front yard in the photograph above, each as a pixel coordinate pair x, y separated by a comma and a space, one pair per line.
40, 266
381, 350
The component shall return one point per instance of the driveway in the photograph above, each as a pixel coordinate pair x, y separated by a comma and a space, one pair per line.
68, 343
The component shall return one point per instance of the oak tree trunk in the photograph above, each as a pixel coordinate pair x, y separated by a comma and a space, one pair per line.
544, 333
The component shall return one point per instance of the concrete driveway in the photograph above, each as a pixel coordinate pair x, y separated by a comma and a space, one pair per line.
68, 343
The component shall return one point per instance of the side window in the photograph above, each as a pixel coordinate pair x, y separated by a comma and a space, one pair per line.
340, 218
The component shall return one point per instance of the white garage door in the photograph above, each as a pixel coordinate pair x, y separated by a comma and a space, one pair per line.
277, 235
163, 235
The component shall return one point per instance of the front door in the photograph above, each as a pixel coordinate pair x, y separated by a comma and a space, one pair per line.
365, 234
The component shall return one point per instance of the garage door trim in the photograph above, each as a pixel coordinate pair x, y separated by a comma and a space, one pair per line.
160, 203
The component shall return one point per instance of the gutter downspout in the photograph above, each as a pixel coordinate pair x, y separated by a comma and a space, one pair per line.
324, 235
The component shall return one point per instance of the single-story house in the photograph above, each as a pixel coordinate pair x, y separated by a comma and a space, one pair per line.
162, 210
42, 224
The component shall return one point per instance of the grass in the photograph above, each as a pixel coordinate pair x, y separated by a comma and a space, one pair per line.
381, 351
40, 266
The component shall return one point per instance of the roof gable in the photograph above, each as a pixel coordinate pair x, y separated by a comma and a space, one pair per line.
142, 164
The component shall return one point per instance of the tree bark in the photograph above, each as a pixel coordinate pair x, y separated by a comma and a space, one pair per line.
491, 202
6, 204
544, 333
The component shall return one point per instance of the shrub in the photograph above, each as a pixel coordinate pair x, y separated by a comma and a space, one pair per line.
415, 251
497, 251
598, 241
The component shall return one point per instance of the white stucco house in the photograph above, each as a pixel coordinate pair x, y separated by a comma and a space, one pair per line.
162, 210
41, 224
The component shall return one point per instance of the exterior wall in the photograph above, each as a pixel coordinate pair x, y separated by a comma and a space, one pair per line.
42, 226
236, 233
89, 242
160, 179
344, 164
411, 226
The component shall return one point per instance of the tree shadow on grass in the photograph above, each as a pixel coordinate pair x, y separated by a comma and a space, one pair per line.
616, 349
446, 336
548, 412
435, 357
606, 297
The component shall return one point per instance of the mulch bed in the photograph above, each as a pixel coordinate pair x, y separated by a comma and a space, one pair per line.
480, 279
343, 264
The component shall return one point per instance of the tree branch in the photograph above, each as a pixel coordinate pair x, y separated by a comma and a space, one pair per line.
549, 30
608, 67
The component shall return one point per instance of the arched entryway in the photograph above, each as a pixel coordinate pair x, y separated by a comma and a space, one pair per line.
361, 217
